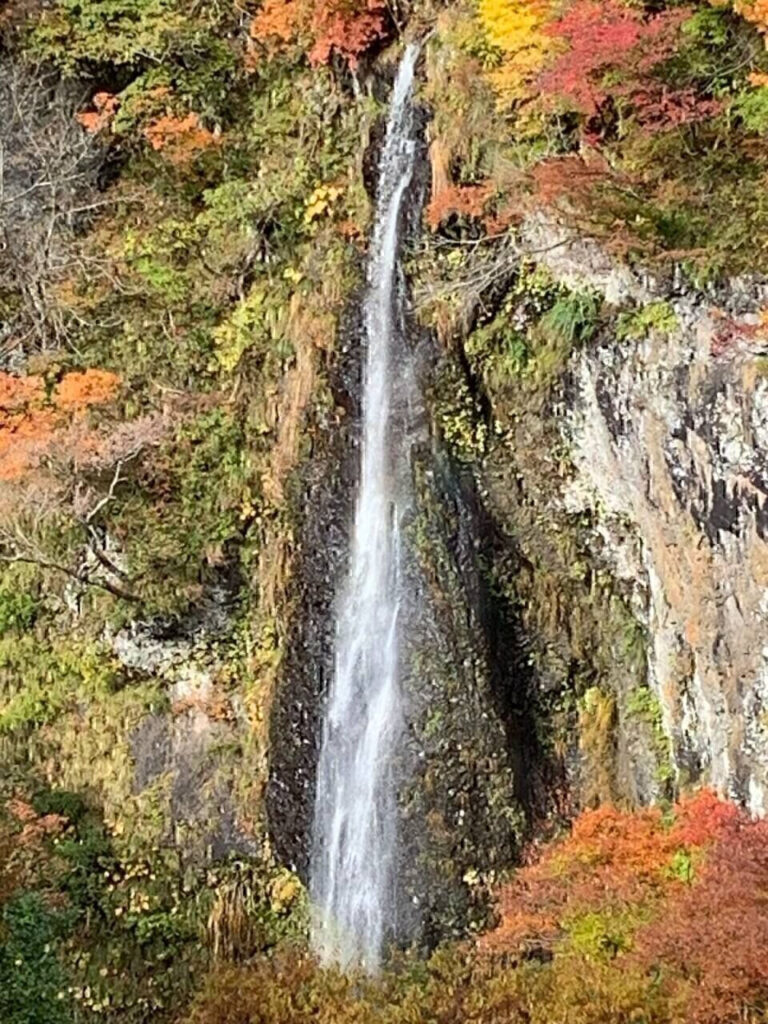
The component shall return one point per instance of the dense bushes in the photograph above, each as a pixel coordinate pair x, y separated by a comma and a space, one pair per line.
622, 119
654, 917
98, 927
32, 981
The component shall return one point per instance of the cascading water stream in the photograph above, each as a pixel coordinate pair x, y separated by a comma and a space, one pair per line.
354, 836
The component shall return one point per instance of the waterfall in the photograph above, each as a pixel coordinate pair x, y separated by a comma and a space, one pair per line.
354, 833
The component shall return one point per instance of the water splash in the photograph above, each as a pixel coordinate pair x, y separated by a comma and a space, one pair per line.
354, 836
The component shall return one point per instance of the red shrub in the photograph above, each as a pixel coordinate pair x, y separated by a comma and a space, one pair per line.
704, 817
660, 107
712, 938
568, 177
612, 51
348, 31
348, 28
731, 335
610, 857
464, 200
604, 37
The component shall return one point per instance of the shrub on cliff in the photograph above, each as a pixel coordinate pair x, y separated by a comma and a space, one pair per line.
646, 916
325, 28
638, 123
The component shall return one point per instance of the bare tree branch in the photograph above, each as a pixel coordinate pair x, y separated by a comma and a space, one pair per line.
75, 574
48, 181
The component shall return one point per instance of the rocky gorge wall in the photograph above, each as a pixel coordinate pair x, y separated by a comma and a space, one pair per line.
599, 532
669, 435
663, 418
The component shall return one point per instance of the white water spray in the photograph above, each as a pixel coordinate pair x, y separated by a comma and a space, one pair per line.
354, 837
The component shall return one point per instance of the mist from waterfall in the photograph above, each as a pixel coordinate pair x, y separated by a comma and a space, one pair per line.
355, 821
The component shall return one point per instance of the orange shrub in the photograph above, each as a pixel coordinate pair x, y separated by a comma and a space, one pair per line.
179, 138
105, 106
348, 28
611, 857
464, 200
30, 420
755, 11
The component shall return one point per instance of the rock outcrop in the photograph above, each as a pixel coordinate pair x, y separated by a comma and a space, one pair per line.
667, 430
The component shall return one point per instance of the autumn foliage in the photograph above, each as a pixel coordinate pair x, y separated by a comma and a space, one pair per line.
651, 917
105, 105
32, 417
593, 55
711, 941
462, 200
179, 138
346, 28
755, 11
518, 30
610, 855
602, 39
594, 92
34, 826
694, 883
561, 179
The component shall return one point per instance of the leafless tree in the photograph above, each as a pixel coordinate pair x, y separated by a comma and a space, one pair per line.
74, 489
48, 188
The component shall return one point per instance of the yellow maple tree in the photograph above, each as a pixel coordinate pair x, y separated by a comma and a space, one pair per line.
516, 28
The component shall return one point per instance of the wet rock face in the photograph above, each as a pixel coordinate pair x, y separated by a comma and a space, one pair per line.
669, 436
460, 791
323, 506
175, 751
454, 773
